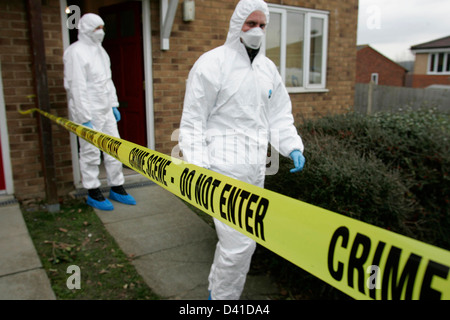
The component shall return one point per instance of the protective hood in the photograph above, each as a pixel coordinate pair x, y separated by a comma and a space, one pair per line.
243, 9
86, 26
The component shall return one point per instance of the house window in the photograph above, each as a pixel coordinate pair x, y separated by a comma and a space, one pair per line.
374, 78
296, 41
439, 63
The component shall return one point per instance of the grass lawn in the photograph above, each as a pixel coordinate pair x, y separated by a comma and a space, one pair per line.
76, 236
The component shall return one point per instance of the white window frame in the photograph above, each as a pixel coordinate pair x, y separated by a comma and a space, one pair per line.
309, 14
374, 77
436, 53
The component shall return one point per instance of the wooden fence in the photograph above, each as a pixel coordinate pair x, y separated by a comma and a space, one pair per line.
372, 98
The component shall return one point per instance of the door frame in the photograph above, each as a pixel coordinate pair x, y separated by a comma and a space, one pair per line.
148, 78
5, 154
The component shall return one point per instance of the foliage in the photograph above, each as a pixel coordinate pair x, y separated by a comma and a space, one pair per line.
390, 170
76, 236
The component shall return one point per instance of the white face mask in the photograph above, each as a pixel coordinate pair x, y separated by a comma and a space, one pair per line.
98, 35
253, 37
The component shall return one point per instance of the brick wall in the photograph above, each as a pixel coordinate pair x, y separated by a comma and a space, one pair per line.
170, 70
18, 83
209, 30
424, 80
370, 61
188, 41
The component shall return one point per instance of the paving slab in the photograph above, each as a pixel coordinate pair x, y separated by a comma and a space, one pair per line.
22, 276
173, 247
26, 285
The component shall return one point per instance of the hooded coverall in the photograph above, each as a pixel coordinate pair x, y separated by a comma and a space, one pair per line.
92, 96
232, 109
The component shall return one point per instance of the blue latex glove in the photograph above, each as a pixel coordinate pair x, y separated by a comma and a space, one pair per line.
88, 124
116, 114
299, 160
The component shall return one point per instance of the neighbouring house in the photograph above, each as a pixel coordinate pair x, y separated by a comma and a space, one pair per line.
373, 66
432, 63
153, 44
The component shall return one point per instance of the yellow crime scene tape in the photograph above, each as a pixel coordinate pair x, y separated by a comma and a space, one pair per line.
361, 260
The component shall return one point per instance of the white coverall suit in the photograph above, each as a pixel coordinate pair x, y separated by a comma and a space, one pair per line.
92, 96
232, 109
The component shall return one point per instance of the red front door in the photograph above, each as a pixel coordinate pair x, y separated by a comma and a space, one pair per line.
123, 42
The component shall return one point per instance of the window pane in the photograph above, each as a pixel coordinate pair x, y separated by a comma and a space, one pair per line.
316, 51
273, 38
440, 62
110, 26
432, 57
448, 63
127, 23
294, 49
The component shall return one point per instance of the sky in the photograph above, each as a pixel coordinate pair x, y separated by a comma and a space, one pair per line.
392, 26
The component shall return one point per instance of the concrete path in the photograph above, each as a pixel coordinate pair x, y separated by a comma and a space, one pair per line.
22, 276
173, 247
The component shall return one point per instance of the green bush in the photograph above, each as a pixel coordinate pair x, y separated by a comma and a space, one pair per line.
390, 170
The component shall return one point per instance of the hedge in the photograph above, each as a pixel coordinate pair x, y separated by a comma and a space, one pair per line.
390, 170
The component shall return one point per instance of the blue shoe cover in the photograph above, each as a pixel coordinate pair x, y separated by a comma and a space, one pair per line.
209, 298
102, 205
126, 199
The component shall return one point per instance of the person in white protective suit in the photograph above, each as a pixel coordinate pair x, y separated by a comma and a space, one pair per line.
235, 104
93, 102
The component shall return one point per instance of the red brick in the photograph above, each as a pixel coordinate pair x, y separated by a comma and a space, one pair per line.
371, 61
424, 80
18, 83
170, 70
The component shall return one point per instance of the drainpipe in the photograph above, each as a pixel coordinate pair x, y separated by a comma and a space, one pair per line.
43, 102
